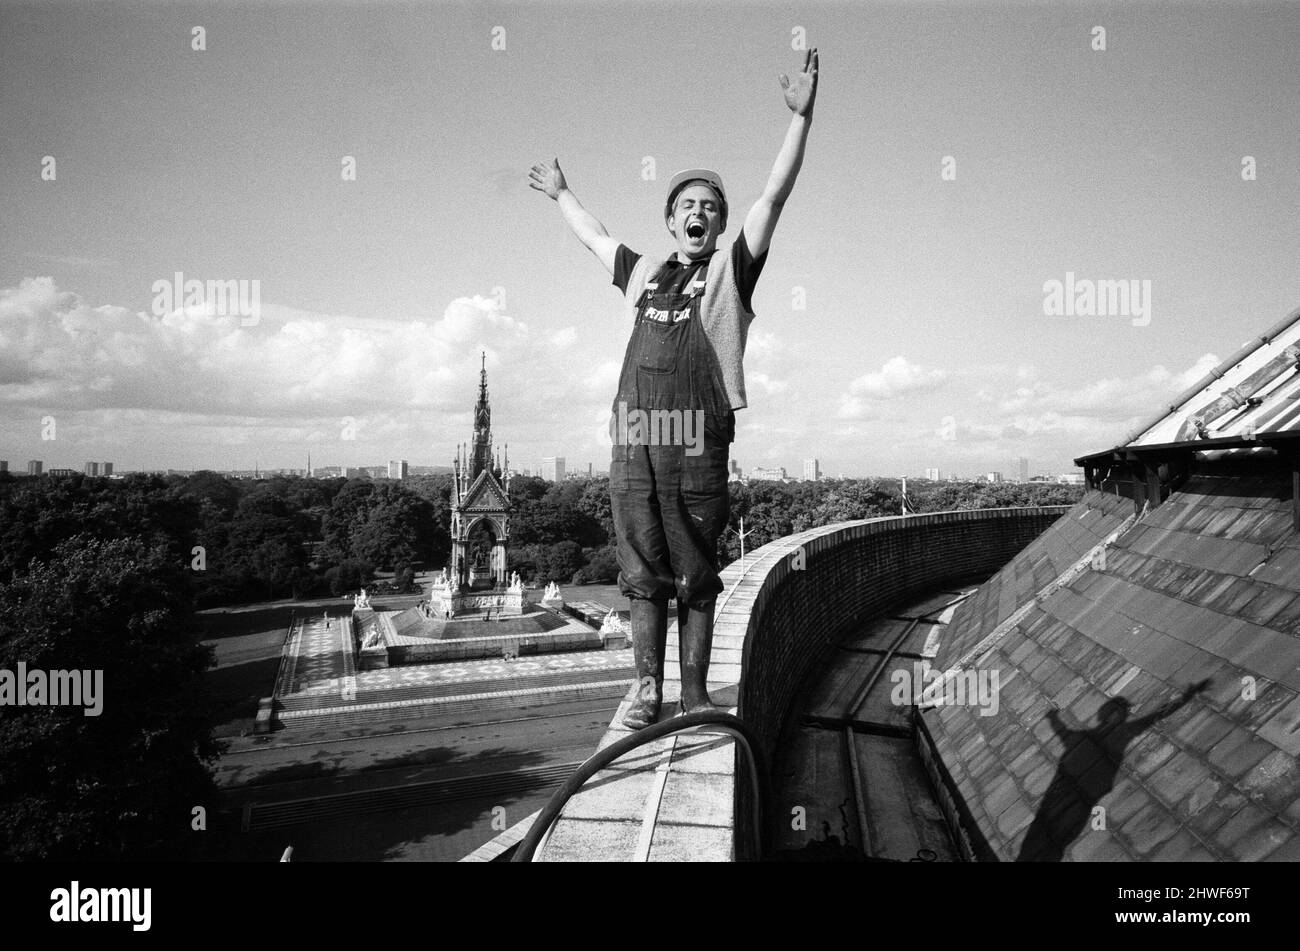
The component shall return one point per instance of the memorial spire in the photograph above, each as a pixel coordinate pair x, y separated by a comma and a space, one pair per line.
481, 457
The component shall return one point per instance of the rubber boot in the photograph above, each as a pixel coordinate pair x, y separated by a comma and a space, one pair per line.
649, 636
695, 633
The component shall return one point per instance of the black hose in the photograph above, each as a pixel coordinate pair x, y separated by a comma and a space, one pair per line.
725, 722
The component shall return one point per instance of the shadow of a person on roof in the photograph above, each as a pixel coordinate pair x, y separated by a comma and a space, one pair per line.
1087, 772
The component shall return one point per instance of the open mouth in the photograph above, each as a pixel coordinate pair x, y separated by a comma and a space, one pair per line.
695, 230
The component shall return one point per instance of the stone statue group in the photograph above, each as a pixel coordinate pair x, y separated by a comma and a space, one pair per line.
443, 580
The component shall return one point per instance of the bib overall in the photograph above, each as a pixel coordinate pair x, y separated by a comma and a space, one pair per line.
672, 429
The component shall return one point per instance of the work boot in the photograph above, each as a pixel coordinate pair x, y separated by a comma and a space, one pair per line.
695, 633
645, 708
649, 635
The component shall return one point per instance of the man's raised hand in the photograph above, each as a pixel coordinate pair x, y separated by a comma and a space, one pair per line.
546, 177
801, 92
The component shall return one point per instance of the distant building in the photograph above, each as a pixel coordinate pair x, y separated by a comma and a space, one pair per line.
773, 473
1070, 478
35, 467
812, 470
106, 468
397, 468
993, 477
553, 469
733, 472
92, 468
1022, 468
61, 472
934, 475
352, 472
4, 465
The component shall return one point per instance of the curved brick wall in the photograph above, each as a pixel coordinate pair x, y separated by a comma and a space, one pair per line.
851, 571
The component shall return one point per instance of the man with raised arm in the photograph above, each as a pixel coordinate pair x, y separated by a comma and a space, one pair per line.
682, 381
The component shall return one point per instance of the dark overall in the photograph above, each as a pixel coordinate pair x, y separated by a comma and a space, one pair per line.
670, 501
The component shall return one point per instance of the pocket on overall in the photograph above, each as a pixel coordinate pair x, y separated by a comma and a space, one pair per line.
663, 317
658, 355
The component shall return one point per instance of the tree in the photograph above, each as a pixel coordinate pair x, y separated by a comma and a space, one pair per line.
38, 514
595, 505
601, 567
562, 560
349, 575
347, 513
525, 559
120, 785
385, 524
436, 490
266, 546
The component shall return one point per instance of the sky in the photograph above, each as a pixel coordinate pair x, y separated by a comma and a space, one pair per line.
902, 316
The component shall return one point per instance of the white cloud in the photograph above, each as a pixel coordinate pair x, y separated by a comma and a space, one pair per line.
897, 377
1106, 399
856, 408
601, 381
1197, 371
563, 339
771, 387
58, 351
760, 345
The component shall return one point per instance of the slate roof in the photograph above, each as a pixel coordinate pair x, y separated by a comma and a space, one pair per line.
1044, 560
1206, 585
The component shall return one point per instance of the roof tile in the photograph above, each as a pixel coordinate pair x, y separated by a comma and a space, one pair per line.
1015, 818
1127, 798
1268, 603
1178, 778
1274, 779
1203, 796
1039, 779
1208, 817
1238, 752
1282, 729
1288, 851
1202, 729
1181, 847
1282, 568
1234, 835
1149, 828
1098, 847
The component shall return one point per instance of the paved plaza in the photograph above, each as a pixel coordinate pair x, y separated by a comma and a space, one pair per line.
319, 661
